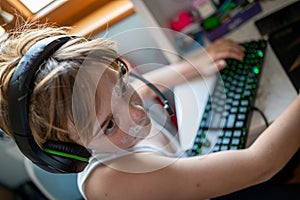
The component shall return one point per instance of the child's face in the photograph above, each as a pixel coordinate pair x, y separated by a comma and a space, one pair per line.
122, 120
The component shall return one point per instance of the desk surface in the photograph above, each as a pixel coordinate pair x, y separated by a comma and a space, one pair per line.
275, 92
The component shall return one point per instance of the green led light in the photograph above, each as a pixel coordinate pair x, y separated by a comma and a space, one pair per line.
255, 70
207, 143
198, 150
260, 53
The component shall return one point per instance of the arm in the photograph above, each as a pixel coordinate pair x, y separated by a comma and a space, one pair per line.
203, 176
204, 62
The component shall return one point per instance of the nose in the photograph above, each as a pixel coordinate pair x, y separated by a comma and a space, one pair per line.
137, 113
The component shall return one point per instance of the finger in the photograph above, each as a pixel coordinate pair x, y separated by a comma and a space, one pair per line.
229, 52
227, 43
220, 64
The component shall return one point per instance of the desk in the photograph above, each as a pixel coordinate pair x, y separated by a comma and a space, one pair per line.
275, 91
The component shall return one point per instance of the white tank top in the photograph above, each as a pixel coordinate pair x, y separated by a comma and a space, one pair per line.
169, 147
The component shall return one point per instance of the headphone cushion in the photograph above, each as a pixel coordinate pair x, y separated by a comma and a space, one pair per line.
68, 147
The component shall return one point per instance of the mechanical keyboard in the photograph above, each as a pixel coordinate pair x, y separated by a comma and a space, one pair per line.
226, 119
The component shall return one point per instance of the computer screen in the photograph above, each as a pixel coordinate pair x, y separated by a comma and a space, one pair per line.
286, 45
278, 19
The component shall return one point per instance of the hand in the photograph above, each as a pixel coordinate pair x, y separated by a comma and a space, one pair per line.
222, 49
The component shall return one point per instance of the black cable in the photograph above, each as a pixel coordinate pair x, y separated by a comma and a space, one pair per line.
262, 114
156, 90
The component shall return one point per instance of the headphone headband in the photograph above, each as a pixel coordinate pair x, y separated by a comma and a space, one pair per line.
22, 82
19, 93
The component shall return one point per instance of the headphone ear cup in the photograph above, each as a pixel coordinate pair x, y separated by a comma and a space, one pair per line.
67, 148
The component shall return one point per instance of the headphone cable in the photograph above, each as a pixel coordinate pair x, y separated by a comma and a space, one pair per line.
253, 108
156, 90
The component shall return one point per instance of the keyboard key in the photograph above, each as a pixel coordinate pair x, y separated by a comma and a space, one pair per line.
239, 124
234, 147
241, 116
226, 141
231, 121
237, 133
224, 147
235, 141
228, 133
244, 103
243, 109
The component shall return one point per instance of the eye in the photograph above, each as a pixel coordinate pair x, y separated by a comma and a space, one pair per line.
123, 68
109, 127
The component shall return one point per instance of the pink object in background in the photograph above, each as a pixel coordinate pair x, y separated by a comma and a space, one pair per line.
183, 20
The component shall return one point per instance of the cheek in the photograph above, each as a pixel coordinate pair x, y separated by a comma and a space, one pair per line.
112, 143
102, 144
122, 140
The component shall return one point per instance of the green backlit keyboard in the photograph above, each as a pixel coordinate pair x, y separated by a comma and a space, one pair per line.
226, 119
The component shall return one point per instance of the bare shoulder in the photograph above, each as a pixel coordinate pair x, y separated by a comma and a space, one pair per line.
95, 184
134, 177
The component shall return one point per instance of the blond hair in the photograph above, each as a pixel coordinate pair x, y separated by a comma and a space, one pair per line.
50, 109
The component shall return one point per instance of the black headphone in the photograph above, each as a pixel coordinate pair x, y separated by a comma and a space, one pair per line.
55, 157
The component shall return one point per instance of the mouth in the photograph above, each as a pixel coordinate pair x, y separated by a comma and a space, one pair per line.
140, 131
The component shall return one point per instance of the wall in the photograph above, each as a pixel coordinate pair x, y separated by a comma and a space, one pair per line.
135, 42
